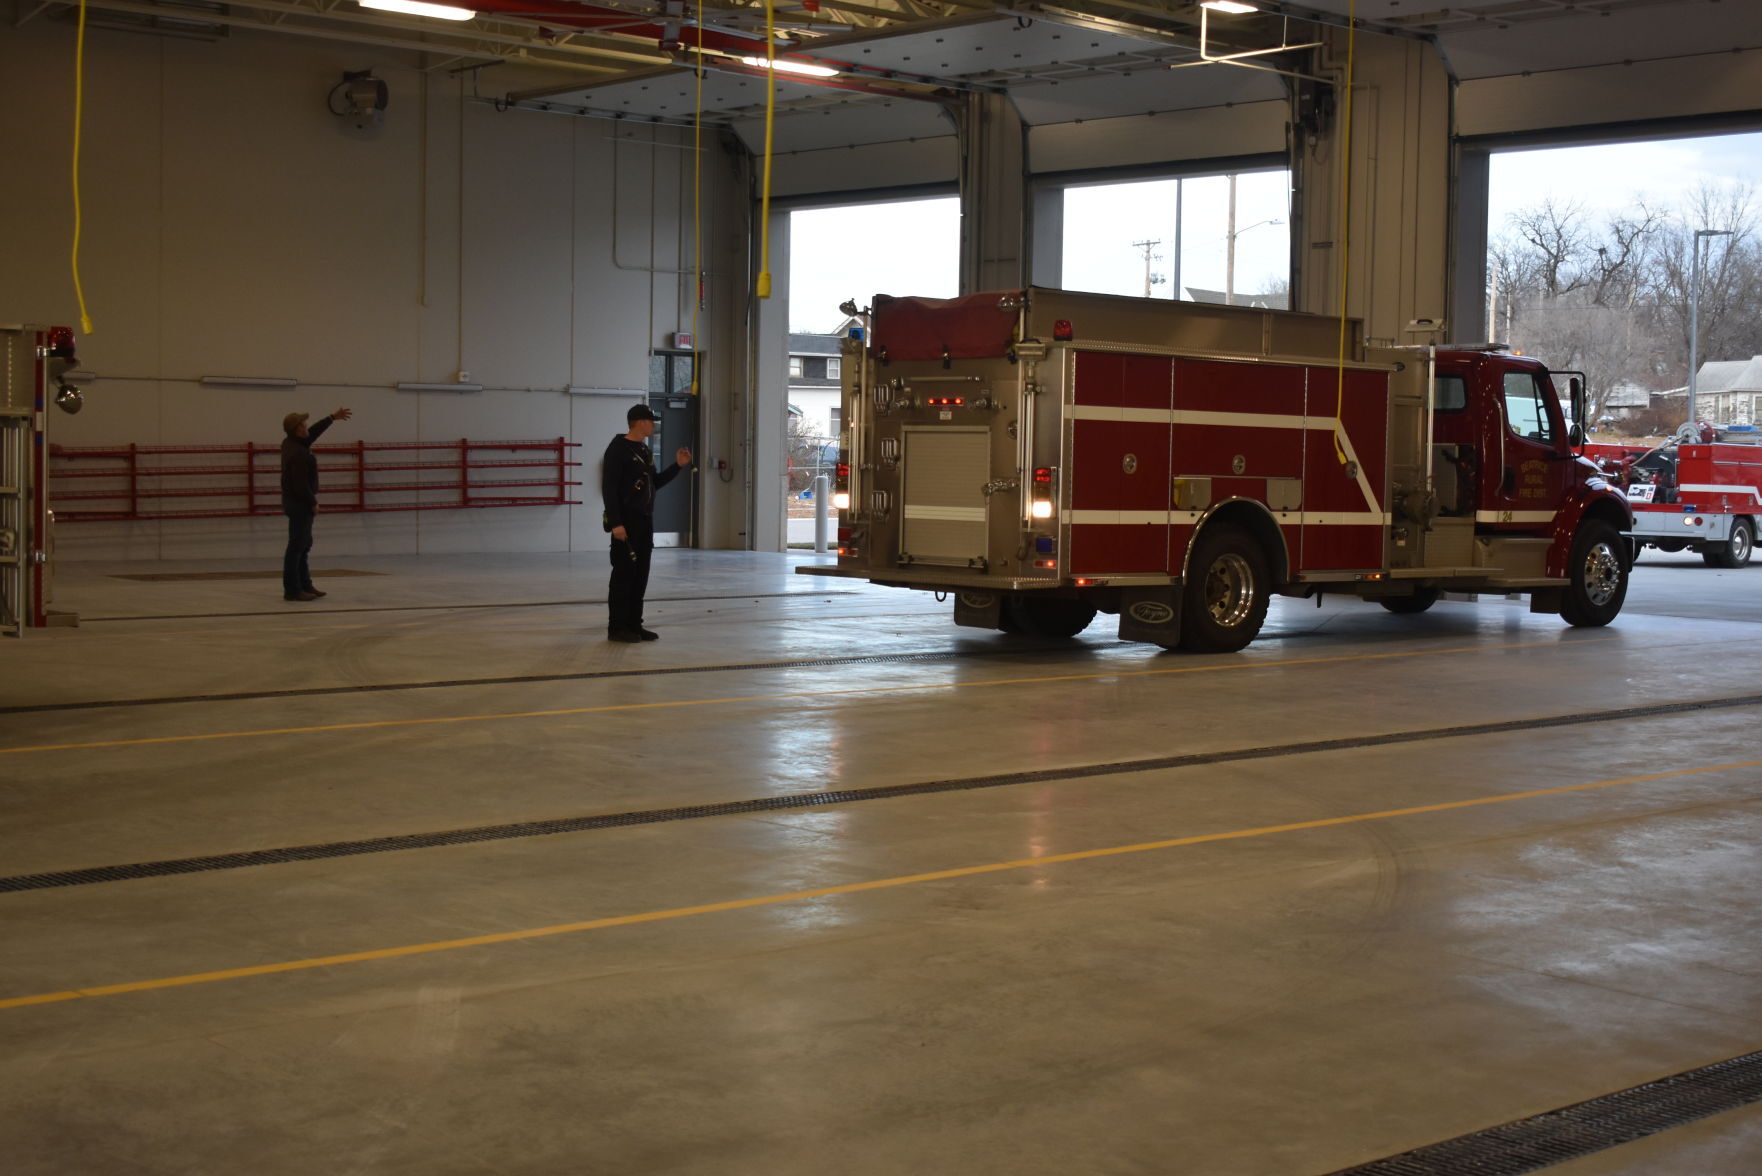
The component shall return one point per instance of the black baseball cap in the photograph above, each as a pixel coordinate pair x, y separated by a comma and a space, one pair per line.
640, 412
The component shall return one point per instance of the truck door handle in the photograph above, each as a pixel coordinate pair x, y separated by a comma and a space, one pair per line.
1508, 485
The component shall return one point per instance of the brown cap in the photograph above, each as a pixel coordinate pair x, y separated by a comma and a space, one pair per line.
293, 421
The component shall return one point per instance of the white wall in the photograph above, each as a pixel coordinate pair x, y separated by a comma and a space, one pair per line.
234, 226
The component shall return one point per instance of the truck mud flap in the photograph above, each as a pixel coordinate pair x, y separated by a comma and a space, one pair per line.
1547, 600
978, 610
1151, 614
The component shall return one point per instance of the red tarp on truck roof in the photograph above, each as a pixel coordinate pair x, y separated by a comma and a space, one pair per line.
970, 327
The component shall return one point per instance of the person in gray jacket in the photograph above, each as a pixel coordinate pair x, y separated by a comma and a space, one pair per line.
299, 499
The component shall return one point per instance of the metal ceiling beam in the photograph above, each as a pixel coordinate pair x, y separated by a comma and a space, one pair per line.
351, 35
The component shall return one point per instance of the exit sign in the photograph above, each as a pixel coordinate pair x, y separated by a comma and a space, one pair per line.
683, 340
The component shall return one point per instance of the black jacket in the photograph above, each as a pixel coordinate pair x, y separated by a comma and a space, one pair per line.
628, 481
299, 469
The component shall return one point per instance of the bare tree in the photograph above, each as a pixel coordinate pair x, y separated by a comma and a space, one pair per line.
805, 445
1731, 280
1612, 299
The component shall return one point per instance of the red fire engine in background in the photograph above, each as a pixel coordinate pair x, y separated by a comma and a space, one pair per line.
1043, 455
1705, 498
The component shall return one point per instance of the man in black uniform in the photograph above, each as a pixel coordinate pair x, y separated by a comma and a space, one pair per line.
628, 482
299, 499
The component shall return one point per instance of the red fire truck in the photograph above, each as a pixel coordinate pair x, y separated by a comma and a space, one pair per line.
1705, 498
1043, 455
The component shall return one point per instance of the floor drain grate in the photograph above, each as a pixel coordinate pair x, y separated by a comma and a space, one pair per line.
195, 577
1529, 1145
802, 800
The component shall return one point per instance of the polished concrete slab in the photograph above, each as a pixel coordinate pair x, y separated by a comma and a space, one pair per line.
1283, 964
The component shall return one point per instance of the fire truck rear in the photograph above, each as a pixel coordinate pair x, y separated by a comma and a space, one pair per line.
1044, 455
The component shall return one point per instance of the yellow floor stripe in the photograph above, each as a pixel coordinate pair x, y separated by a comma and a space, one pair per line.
738, 904
1223, 667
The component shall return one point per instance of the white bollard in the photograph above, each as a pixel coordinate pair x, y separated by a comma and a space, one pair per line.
822, 504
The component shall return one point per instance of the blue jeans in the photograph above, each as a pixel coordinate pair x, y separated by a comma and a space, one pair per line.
296, 577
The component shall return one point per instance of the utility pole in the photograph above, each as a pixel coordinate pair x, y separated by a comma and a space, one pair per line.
1150, 257
1230, 261
1695, 314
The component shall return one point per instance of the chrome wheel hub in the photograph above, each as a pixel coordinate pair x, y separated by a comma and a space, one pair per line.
1602, 573
1229, 590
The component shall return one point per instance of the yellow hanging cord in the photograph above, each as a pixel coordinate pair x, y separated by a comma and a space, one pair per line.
770, 112
1345, 225
697, 198
79, 96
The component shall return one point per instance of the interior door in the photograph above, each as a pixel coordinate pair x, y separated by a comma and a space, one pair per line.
676, 506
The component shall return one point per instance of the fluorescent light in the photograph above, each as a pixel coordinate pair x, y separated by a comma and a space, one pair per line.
1233, 6
418, 8
795, 67
251, 381
413, 386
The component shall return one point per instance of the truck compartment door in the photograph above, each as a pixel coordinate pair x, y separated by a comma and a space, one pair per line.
1345, 507
942, 517
1119, 475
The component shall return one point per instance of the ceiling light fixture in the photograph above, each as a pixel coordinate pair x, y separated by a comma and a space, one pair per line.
1232, 6
794, 67
418, 8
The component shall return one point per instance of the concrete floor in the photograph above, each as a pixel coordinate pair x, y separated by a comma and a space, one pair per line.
1259, 1000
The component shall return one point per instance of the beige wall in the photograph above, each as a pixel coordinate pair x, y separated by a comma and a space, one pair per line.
233, 226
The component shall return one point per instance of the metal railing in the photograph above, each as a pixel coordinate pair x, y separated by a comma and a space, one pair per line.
120, 483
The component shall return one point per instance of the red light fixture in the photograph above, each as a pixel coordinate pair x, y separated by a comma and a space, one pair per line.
1043, 475
1061, 330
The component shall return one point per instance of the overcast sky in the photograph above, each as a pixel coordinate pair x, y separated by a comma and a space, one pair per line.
1618, 177
912, 247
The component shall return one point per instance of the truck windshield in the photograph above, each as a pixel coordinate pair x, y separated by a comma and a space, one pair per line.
1449, 394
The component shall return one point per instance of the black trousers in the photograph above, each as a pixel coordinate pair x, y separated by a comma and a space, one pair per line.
296, 576
630, 580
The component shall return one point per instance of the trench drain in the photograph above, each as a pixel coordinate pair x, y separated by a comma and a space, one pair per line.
1610, 1120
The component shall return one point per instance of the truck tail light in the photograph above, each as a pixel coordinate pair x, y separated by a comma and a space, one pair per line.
1041, 508
841, 485
1061, 330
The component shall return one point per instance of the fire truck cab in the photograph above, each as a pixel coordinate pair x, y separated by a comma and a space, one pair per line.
1043, 455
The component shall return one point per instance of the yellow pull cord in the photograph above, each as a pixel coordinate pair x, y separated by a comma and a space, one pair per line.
79, 96
697, 198
1345, 227
770, 113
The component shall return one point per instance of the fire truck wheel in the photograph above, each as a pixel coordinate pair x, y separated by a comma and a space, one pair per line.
1596, 576
1046, 616
1735, 554
1224, 601
1422, 599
